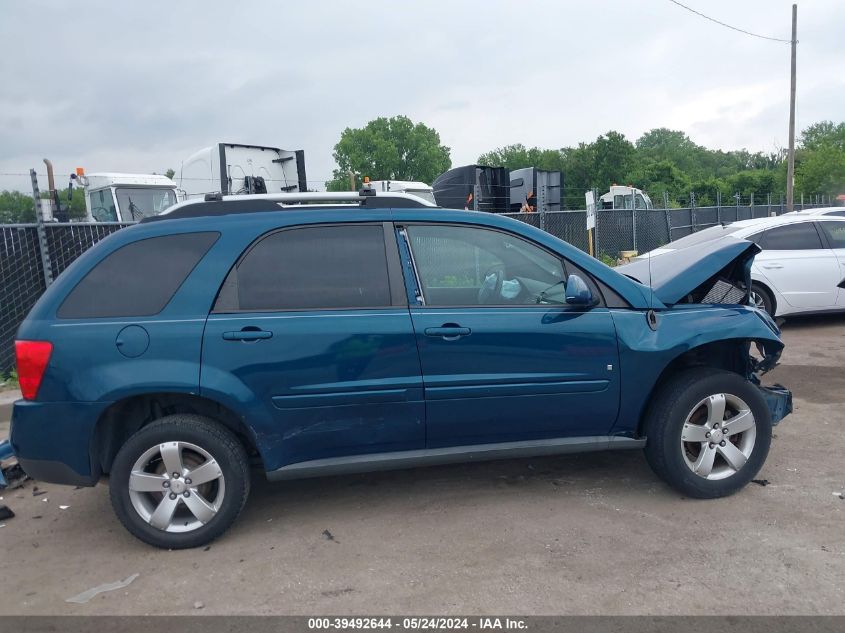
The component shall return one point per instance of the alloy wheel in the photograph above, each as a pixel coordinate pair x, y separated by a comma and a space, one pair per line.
176, 486
718, 436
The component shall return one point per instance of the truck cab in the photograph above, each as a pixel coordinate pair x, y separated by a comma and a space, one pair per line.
625, 197
114, 197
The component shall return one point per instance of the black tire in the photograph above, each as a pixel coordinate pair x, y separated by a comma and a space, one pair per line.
212, 437
766, 297
667, 414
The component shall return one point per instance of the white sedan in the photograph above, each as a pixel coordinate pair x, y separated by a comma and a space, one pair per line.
801, 268
834, 211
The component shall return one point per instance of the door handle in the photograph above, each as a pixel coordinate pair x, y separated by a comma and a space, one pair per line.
247, 334
448, 331
773, 266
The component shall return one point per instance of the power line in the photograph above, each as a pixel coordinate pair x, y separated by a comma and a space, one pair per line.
734, 28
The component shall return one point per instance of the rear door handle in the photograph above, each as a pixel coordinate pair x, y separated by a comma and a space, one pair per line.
247, 335
448, 332
773, 266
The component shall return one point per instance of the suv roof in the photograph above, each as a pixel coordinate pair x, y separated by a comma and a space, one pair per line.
216, 204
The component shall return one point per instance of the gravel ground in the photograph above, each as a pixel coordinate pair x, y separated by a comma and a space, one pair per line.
585, 534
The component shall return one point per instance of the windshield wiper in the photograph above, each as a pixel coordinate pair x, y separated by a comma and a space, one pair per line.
133, 208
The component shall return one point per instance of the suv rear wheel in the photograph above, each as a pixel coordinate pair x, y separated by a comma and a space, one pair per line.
180, 482
708, 431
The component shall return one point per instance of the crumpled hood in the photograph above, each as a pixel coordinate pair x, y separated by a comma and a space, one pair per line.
675, 273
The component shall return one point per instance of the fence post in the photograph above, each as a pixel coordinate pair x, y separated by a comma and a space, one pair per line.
596, 252
769, 204
542, 208
692, 211
634, 220
752, 204
665, 199
46, 265
718, 206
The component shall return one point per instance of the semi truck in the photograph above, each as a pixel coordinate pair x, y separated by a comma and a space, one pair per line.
624, 197
234, 168
116, 197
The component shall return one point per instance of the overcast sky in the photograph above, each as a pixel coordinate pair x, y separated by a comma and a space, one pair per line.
137, 87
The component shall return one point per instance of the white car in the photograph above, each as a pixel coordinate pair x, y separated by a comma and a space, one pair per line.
801, 268
834, 211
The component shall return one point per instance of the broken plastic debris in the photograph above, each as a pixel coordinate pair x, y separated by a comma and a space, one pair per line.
63, 507
85, 596
6, 513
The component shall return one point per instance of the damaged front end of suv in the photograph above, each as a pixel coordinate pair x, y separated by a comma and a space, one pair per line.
702, 313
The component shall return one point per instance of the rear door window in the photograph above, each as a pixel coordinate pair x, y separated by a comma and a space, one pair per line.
138, 279
311, 268
792, 237
835, 232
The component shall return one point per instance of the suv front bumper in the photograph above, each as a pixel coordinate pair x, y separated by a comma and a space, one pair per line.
779, 400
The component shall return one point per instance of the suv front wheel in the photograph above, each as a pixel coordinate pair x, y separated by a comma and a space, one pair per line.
180, 481
708, 432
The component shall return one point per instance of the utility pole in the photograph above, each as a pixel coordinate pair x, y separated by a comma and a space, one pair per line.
790, 169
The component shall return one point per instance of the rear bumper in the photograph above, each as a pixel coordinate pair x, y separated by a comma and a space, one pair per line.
52, 440
779, 400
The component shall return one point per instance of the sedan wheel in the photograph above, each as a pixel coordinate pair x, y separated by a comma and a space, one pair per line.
758, 300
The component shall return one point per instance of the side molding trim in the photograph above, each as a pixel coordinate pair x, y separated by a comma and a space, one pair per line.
450, 455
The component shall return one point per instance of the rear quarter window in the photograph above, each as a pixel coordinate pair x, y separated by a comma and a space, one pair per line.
800, 236
138, 279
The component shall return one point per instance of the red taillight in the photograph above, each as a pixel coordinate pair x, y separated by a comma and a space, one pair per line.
32, 357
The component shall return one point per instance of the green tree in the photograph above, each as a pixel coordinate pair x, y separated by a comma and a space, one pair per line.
16, 207
518, 156
389, 149
823, 134
659, 177
170, 173
76, 205
674, 146
821, 171
614, 157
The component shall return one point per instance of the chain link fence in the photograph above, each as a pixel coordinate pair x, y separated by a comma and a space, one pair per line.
31, 256
21, 283
642, 230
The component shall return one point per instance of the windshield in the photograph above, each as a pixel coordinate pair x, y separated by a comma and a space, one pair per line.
136, 203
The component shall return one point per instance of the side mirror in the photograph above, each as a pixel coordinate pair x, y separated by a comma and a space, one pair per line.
578, 292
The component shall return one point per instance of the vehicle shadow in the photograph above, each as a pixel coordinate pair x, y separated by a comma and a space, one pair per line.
811, 321
404, 491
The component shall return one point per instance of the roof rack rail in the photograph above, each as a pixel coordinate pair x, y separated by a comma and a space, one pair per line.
217, 204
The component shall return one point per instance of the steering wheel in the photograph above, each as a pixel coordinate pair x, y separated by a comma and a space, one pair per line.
491, 287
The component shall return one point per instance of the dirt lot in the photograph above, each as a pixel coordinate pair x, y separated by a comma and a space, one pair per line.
570, 535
